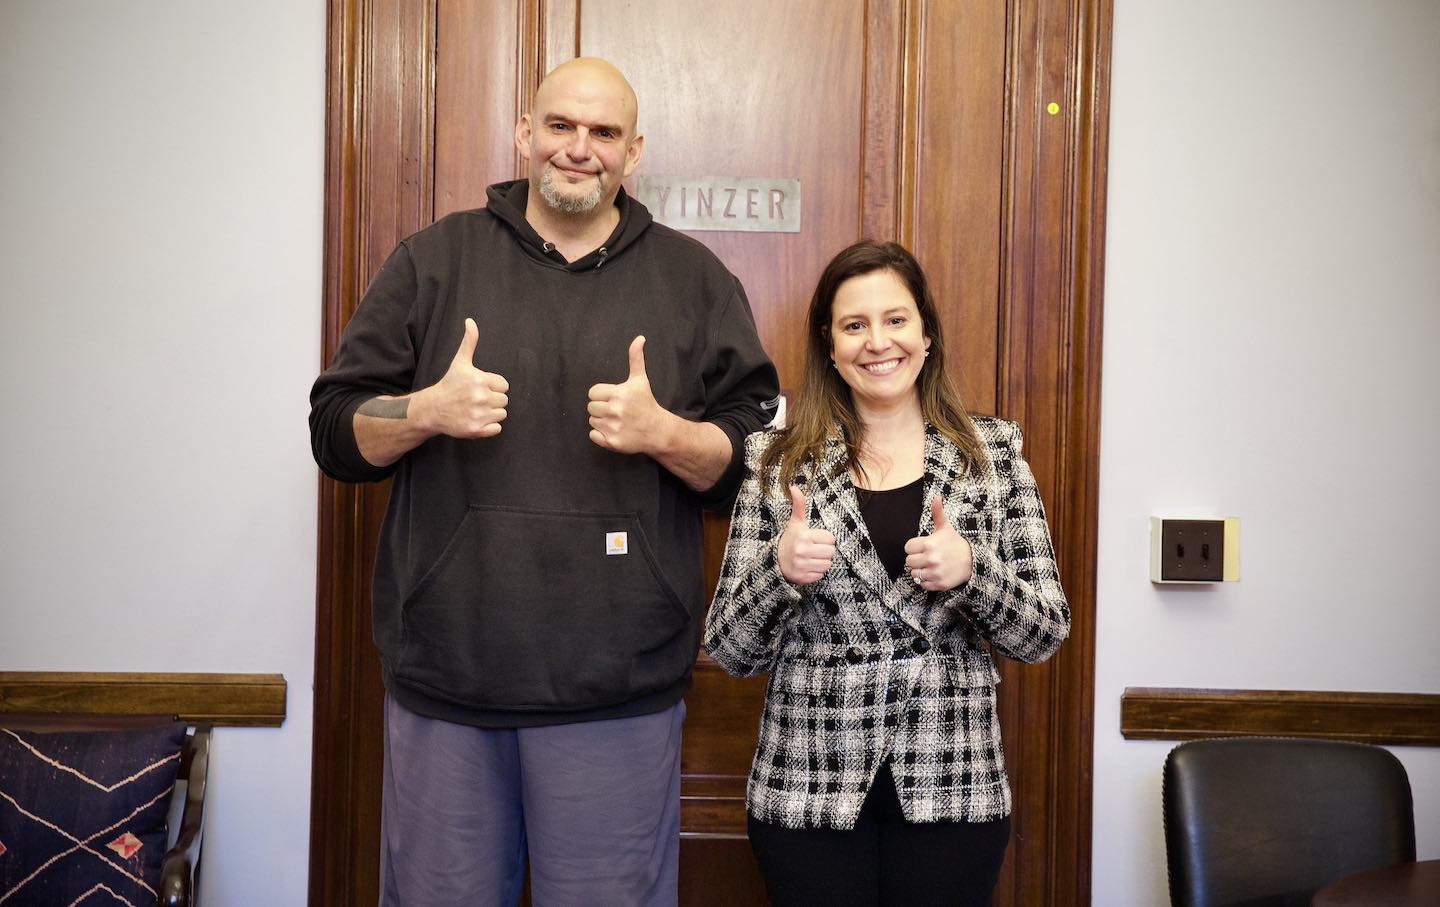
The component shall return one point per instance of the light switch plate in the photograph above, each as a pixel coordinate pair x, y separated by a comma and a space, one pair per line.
1194, 550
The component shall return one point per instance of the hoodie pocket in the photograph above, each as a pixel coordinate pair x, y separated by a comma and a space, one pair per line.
545, 611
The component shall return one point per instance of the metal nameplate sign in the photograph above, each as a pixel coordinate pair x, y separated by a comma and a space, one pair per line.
744, 204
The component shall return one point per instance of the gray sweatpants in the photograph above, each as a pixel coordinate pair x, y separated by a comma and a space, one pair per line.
595, 805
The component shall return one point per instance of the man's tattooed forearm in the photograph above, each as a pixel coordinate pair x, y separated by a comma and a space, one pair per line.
385, 409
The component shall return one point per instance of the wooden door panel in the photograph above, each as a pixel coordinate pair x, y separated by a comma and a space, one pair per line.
721, 727
958, 181
478, 80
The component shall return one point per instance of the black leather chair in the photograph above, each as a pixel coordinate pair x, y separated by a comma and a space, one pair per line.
1266, 821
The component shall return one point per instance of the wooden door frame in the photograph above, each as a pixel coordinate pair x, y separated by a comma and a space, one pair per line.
379, 187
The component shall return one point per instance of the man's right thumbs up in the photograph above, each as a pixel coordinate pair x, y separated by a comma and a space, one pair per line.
467, 402
805, 553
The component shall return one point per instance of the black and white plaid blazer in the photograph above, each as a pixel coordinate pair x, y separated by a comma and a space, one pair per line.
865, 669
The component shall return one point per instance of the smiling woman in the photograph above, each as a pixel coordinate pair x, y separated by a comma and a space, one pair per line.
880, 549
878, 342
873, 306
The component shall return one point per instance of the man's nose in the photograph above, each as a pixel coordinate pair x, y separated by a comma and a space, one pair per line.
579, 148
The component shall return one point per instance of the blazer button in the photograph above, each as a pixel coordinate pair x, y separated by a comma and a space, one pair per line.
920, 646
854, 655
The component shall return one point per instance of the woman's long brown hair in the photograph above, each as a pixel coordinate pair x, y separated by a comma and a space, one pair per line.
825, 404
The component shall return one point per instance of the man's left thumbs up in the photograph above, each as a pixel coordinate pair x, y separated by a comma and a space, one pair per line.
625, 417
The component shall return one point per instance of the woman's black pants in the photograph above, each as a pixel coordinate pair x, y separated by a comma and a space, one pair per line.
883, 860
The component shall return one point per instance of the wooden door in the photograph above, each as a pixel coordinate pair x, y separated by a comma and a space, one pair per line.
971, 131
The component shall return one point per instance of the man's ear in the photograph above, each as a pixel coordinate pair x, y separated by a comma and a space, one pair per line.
522, 136
633, 154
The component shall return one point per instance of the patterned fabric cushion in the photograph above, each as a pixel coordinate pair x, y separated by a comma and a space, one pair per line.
82, 815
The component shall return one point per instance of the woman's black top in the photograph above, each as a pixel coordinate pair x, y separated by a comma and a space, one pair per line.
893, 518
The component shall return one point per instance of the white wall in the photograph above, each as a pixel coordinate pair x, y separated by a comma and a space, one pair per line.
1272, 314
161, 174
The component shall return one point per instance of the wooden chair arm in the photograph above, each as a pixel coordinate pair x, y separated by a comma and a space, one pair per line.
180, 866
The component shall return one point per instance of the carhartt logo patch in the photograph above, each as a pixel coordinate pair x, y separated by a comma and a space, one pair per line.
617, 543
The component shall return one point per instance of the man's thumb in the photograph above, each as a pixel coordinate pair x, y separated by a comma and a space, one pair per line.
638, 356
466, 353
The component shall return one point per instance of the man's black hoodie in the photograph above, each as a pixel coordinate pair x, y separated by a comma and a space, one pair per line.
534, 577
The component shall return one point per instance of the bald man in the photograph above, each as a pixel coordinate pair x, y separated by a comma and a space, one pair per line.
556, 385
